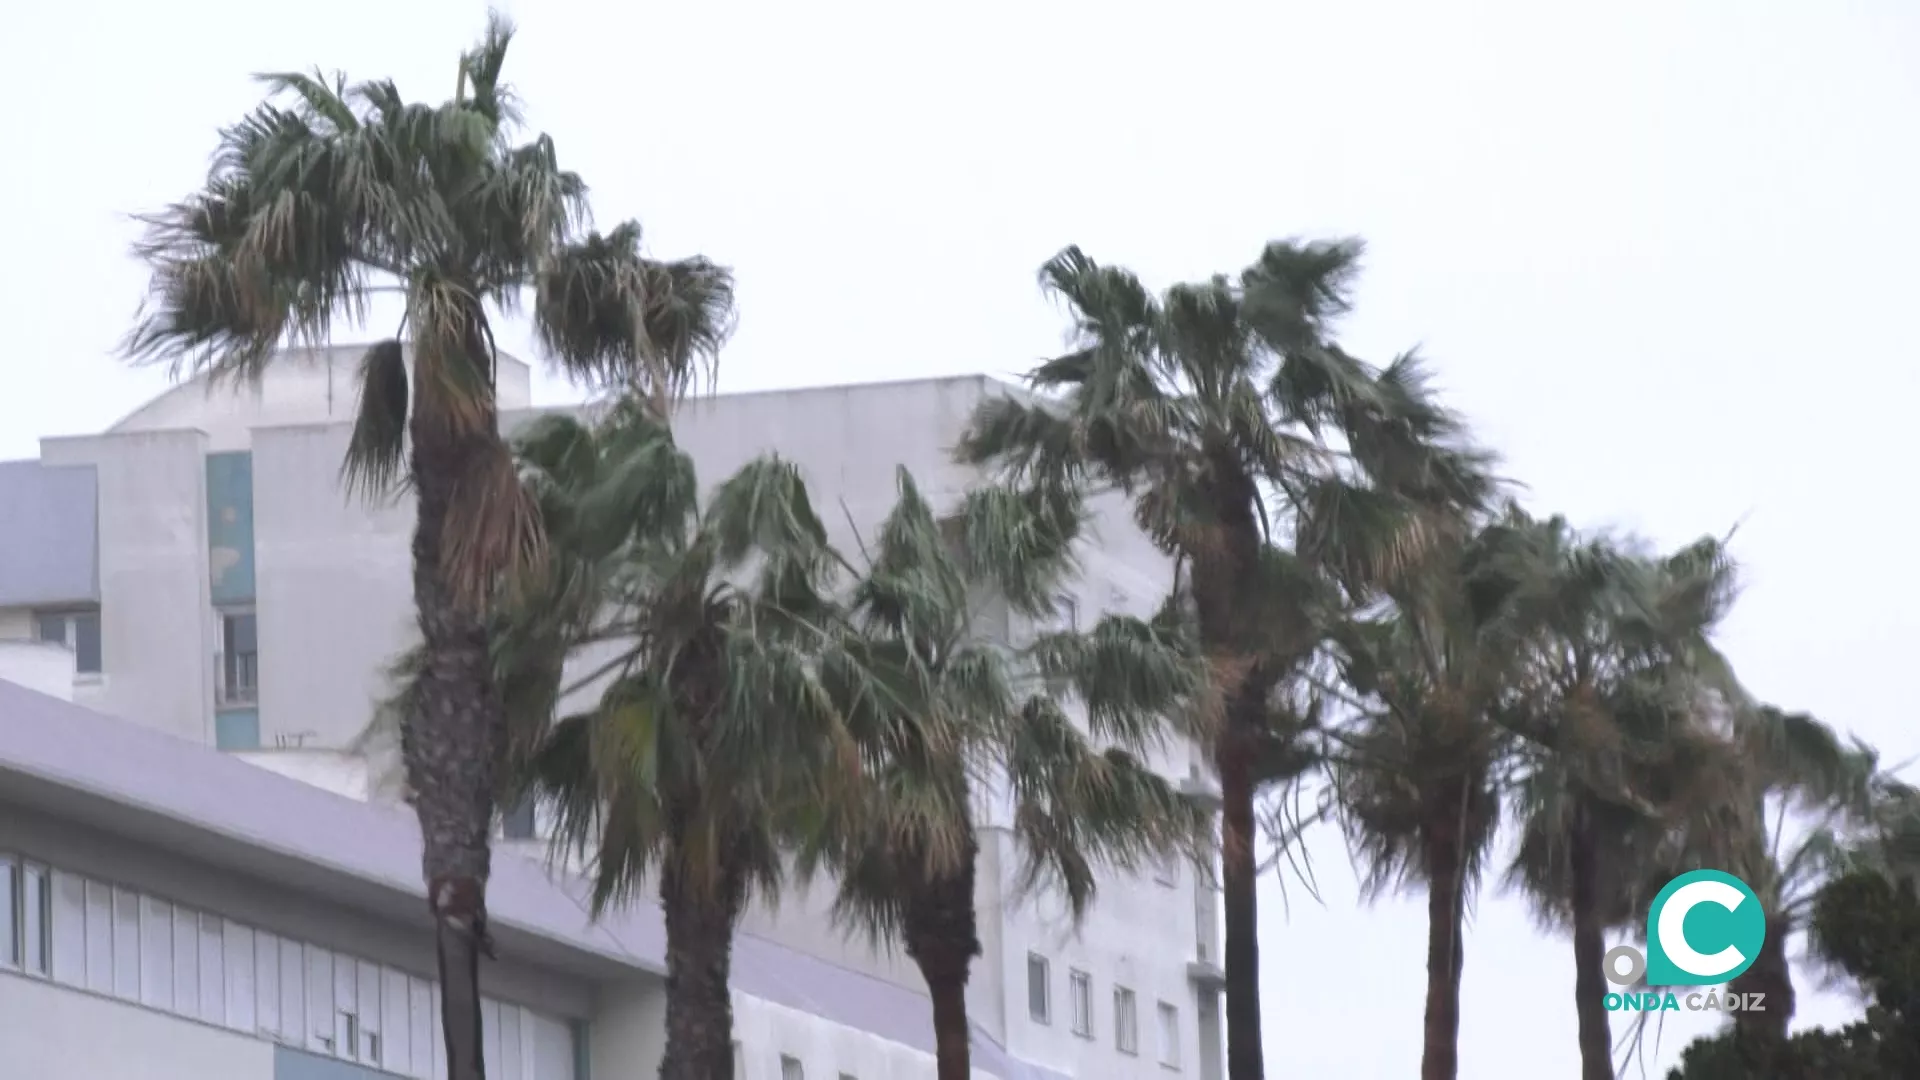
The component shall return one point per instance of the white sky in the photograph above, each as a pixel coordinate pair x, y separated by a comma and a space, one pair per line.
1656, 250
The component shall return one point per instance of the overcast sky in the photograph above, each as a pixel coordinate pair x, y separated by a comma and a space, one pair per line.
1657, 251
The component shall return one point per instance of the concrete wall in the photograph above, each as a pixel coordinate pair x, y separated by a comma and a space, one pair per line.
52, 1032
301, 386
157, 626
38, 666
334, 590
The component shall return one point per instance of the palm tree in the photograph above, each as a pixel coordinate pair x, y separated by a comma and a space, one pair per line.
713, 736
1627, 752
991, 718
1416, 775
1206, 406
1796, 768
329, 195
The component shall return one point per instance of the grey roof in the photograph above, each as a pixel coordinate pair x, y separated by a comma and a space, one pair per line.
48, 534
142, 783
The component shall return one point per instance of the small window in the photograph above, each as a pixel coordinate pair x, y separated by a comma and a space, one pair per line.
517, 822
1169, 1035
1067, 609
239, 658
1039, 1006
791, 1069
77, 630
1080, 1000
9, 903
739, 1062
1126, 1026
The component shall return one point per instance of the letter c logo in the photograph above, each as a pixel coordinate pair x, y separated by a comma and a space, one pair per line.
1737, 931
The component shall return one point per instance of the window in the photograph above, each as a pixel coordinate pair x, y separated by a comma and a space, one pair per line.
739, 1062
517, 822
1038, 1005
77, 630
1080, 1000
1068, 610
9, 903
1126, 1026
125, 944
791, 1069
1169, 1035
239, 658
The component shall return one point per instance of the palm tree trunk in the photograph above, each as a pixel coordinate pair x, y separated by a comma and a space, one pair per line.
1446, 891
1772, 975
699, 965
1589, 956
942, 936
448, 744
1238, 876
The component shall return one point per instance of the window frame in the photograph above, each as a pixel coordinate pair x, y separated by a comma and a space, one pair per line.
1044, 1014
1080, 1002
1126, 1021
1167, 1022
70, 637
223, 663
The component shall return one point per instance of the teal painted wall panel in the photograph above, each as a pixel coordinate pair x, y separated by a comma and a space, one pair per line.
291, 1064
236, 729
230, 526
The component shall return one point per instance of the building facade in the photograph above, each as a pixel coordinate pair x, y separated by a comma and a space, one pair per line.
196, 570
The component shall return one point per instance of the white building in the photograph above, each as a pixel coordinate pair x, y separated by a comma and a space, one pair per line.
196, 571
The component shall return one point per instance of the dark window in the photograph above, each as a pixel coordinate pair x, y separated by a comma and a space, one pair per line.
239, 658
77, 630
517, 822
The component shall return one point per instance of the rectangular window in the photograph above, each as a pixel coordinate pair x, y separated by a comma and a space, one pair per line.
186, 962
9, 903
213, 970
1080, 994
156, 953
396, 1027
1068, 611
99, 937
1169, 1035
243, 971
320, 1017
791, 1069
126, 945
69, 928
516, 821
239, 658
36, 925
1039, 1006
77, 630
1126, 1026
293, 993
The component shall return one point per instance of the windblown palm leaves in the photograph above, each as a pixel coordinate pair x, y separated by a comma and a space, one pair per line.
928, 621
1277, 469
1417, 771
331, 194
1628, 713
711, 732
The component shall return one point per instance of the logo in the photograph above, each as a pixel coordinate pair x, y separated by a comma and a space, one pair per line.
1705, 928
